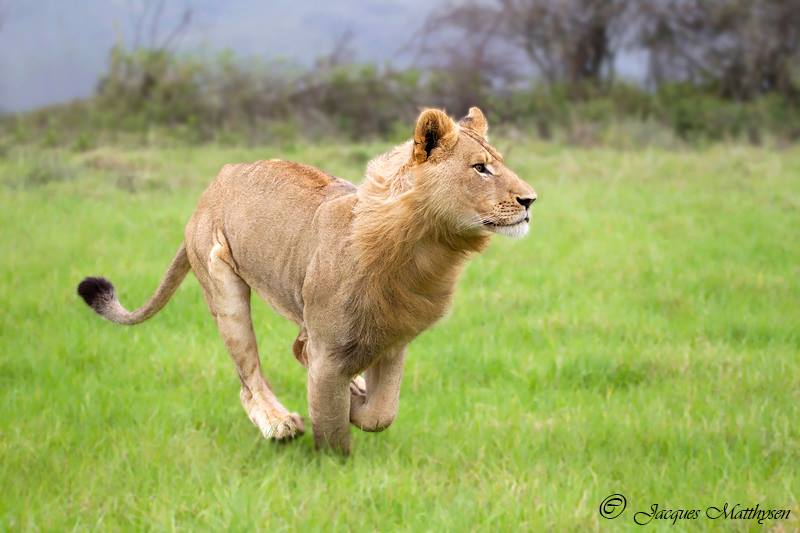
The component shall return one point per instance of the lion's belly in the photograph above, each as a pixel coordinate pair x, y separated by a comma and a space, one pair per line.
278, 281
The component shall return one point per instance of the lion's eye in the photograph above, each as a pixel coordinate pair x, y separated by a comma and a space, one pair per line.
481, 168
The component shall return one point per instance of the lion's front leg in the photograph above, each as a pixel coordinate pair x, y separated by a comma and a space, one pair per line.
378, 409
329, 403
358, 386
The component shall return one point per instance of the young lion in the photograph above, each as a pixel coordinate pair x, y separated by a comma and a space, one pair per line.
361, 270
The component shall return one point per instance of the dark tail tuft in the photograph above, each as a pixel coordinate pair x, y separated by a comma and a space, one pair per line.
97, 293
100, 295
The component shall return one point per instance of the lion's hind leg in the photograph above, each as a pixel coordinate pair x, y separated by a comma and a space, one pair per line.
229, 300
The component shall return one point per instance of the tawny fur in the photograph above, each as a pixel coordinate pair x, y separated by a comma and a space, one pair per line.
362, 271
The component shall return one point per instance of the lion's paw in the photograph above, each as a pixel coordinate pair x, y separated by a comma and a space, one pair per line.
270, 421
290, 427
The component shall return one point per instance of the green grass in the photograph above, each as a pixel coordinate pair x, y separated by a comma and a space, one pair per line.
643, 339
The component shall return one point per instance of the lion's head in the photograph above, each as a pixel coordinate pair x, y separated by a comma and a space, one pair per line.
457, 176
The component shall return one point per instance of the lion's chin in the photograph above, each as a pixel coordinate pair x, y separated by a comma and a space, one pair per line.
515, 231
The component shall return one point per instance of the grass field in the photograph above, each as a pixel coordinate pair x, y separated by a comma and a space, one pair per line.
644, 339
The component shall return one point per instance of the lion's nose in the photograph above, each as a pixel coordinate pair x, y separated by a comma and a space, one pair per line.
526, 201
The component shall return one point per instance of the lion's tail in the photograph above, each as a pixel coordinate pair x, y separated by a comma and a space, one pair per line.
99, 294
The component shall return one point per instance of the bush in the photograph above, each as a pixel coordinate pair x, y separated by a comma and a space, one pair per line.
153, 94
30, 169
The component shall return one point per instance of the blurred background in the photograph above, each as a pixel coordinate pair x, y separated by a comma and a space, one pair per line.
642, 340
246, 71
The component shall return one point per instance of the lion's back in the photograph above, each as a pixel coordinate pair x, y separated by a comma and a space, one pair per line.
277, 177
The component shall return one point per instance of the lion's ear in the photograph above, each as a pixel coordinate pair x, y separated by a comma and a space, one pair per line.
476, 121
434, 130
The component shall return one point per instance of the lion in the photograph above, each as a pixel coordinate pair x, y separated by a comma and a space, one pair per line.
361, 270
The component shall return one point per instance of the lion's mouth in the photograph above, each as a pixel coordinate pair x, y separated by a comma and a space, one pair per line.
514, 230
523, 220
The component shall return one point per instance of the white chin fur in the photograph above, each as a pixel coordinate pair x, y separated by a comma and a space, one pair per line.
517, 231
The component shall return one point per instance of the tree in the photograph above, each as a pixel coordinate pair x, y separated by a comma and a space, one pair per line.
571, 41
566, 41
148, 76
464, 49
742, 47
146, 20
